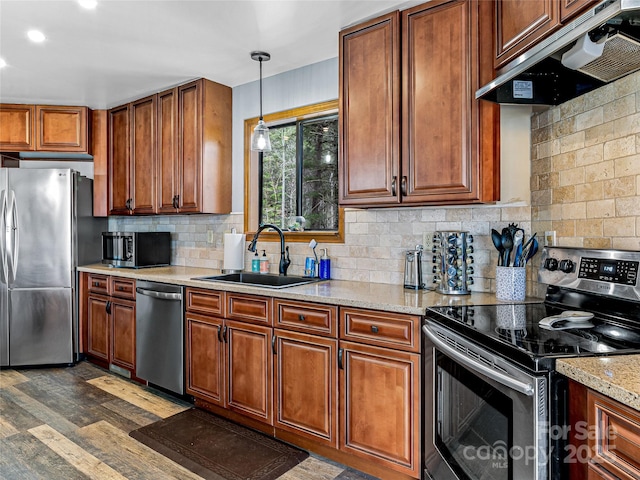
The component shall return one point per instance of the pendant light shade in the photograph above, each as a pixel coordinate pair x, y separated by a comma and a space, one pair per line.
260, 139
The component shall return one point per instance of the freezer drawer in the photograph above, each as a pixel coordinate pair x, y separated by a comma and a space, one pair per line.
41, 327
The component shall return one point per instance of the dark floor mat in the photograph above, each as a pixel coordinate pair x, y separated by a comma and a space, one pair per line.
217, 449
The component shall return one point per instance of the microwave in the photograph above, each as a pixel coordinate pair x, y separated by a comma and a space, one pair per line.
136, 249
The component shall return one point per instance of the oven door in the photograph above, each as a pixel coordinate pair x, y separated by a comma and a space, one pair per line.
484, 418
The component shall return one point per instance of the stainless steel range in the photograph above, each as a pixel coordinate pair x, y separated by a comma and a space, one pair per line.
495, 408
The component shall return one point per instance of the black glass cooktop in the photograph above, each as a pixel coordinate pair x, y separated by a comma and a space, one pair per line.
515, 331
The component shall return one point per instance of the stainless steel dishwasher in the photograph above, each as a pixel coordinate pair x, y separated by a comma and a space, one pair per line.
160, 335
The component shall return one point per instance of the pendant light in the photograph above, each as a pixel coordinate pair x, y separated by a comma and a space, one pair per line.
260, 139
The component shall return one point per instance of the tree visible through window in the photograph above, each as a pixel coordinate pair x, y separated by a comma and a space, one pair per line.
299, 176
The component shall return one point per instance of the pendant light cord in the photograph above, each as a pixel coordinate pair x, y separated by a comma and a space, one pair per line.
261, 88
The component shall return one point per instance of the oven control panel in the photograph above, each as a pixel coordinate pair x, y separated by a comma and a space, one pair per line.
606, 272
624, 272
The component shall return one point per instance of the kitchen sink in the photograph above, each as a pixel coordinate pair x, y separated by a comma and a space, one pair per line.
268, 280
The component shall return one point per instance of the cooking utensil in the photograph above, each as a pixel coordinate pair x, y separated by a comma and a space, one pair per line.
507, 245
527, 251
517, 245
496, 238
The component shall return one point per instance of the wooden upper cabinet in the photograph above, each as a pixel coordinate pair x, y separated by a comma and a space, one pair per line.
17, 123
143, 156
437, 154
119, 161
44, 128
521, 24
449, 150
180, 140
370, 112
62, 129
167, 151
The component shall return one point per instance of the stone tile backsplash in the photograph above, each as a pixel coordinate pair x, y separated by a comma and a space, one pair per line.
585, 163
375, 240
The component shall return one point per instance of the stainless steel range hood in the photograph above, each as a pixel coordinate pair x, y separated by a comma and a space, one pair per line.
600, 46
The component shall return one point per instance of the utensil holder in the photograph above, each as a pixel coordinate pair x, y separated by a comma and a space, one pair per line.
511, 283
452, 262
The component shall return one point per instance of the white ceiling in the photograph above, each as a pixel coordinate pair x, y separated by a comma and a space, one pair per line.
126, 49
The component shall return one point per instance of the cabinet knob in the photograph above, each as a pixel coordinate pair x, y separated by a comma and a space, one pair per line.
301, 318
96, 284
120, 288
374, 329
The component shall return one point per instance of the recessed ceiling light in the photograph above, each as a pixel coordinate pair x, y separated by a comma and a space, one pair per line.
36, 36
2, 63
88, 4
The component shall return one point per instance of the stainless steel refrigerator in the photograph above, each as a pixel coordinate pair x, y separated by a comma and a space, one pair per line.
46, 231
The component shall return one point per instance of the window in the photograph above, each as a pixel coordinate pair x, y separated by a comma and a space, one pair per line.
295, 185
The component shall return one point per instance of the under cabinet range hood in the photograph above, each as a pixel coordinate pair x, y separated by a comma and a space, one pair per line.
596, 48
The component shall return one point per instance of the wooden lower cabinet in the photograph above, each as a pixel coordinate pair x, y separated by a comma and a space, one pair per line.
123, 324
306, 385
205, 358
379, 405
109, 329
249, 370
355, 403
98, 331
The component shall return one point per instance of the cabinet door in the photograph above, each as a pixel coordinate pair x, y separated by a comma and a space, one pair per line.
62, 129
205, 358
305, 380
190, 146
370, 112
143, 155
167, 154
17, 123
520, 24
379, 406
123, 323
119, 160
98, 330
249, 370
439, 158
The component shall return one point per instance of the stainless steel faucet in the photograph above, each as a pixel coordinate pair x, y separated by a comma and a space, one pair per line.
285, 261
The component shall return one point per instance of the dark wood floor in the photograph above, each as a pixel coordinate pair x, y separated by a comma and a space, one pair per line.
74, 423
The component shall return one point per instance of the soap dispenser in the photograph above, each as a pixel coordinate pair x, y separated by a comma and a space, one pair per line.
255, 263
264, 262
325, 266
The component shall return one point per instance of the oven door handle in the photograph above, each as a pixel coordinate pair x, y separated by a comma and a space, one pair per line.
506, 380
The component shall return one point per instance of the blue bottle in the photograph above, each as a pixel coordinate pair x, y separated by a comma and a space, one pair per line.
325, 266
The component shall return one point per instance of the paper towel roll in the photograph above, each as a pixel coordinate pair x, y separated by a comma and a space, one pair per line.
234, 251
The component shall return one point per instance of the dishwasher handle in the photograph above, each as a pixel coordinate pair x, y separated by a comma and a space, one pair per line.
160, 295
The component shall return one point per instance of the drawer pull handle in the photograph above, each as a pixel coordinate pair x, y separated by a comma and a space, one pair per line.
374, 329
340, 358
96, 284
273, 345
120, 288
301, 318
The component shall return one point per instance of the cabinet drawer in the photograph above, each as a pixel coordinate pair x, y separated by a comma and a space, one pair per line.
381, 328
306, 317
98, 283
123, 288
249, 308
207, 302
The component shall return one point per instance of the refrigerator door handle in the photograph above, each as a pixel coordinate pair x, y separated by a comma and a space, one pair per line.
3, 237
15, 237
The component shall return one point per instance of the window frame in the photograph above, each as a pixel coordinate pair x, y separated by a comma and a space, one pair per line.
251, 169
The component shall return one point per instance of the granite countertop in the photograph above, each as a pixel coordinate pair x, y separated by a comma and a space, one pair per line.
616, 376
377, 296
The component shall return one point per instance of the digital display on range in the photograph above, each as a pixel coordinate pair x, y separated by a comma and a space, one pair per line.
609, 268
